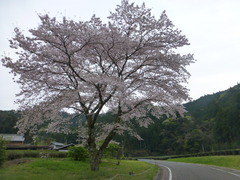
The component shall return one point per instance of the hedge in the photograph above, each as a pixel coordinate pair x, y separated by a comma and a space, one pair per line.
17, 154
213, 153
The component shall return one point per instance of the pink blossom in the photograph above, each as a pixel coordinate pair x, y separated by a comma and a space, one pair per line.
128, 66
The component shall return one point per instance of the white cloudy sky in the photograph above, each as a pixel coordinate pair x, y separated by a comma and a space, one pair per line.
212, 27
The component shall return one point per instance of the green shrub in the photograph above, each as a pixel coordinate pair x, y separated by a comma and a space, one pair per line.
2, 152
113, 150
78, 153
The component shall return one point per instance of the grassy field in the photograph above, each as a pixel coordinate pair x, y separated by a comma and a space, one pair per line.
223, 161
55, 169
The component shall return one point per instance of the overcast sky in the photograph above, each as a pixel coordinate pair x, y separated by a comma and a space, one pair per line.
212, 27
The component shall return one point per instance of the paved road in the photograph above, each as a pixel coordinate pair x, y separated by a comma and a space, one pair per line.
187, 171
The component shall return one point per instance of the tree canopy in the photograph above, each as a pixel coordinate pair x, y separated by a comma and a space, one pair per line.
127, 66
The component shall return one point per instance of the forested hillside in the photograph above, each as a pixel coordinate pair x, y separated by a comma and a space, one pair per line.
8, 120
211, 123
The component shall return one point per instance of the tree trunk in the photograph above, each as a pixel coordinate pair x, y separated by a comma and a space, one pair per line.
96, 154
95, 162
95, 157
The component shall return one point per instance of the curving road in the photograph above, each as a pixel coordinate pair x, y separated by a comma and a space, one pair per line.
188, 171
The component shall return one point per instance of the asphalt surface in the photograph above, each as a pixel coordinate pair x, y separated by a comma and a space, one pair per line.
188, 171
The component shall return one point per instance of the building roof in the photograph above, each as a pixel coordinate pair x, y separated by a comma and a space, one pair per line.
56, 144
12, 137
65, 146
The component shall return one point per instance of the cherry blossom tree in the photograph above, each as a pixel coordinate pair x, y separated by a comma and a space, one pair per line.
128, 66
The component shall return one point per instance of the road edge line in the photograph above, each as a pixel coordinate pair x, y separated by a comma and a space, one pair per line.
170, 172
225, 171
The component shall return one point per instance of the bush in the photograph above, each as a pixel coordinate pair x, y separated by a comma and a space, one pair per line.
2, 152
78, 153
113, 150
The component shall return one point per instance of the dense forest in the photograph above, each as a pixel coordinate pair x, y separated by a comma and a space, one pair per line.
211, 123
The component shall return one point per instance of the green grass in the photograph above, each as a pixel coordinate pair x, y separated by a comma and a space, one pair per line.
223, 161
55, 169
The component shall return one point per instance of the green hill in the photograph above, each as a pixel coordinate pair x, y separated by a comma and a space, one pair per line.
211, 123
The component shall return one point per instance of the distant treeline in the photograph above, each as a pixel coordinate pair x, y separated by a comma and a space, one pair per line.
8, 120
212, 123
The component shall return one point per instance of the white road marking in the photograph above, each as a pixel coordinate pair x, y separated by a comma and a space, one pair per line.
214, 168
155, 162
226, 171
170, 172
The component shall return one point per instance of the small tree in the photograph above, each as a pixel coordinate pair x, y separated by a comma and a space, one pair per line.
127, 66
